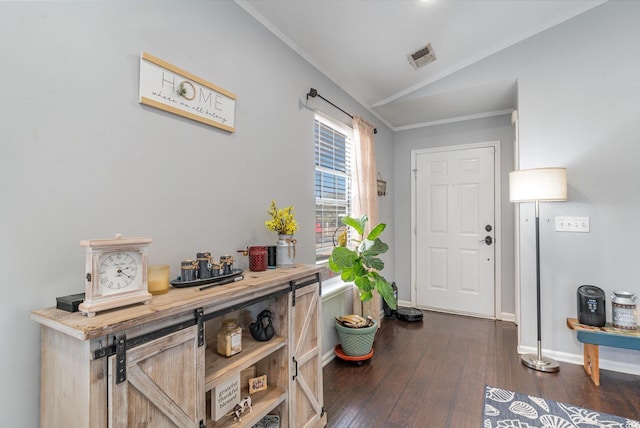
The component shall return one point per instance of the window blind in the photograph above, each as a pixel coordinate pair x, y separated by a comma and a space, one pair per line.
332, 182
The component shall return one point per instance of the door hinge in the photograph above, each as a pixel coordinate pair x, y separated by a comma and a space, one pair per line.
121, 358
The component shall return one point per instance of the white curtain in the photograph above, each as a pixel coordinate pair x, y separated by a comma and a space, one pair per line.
365, 186
365, 198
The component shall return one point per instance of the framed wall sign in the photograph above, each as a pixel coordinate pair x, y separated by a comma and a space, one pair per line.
169, 88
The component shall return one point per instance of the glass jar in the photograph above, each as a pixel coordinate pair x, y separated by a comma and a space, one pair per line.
158, 279
229, 338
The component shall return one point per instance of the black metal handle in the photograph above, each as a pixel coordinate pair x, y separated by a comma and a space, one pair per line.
296, 364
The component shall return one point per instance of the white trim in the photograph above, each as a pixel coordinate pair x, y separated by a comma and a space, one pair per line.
405, 303
327, 357
454, 119
334, 123
497, 217
508, 317
515, 121
578, 359
333, 287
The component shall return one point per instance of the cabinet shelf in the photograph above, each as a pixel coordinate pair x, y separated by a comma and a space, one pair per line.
262, 404
219, 368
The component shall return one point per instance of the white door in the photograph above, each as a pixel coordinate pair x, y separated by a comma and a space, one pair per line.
454, 263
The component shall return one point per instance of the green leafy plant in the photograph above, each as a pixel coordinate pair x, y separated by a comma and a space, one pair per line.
181, 90
362, 265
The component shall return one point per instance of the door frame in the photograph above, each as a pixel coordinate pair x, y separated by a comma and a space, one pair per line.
497, 218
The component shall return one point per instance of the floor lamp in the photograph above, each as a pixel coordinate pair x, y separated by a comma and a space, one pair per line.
535, 185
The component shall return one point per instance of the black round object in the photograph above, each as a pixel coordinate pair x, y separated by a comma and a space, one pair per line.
591, 306
409, 314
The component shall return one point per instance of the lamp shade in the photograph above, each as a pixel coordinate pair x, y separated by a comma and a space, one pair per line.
538, 184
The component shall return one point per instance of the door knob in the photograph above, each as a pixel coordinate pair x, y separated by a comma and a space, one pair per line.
487, 240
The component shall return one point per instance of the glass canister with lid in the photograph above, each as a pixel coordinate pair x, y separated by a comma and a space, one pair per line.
229, 338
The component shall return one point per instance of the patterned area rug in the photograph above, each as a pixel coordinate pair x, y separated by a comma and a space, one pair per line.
508, 409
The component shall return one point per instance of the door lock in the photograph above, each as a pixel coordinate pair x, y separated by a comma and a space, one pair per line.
487, 240
488, 228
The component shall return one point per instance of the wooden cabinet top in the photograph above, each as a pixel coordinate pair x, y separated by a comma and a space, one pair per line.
176, 302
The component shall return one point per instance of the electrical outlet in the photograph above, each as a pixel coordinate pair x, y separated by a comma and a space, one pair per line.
573, 224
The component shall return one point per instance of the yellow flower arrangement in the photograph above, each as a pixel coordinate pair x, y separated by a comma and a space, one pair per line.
282, 220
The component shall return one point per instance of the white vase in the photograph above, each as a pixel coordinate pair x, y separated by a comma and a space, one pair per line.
285, 251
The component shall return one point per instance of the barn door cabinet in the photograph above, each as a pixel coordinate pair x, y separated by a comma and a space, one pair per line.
156, 365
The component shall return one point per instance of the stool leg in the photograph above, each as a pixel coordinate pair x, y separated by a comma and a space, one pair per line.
592, 362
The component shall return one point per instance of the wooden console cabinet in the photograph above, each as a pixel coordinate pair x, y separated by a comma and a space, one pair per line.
156, 365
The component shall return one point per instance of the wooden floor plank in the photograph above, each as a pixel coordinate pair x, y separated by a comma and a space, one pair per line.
432, 374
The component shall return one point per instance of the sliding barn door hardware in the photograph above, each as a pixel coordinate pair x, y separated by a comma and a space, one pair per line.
121, 358
148, 337
294, 285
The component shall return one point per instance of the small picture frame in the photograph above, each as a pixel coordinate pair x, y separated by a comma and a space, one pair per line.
382, 186
257, 384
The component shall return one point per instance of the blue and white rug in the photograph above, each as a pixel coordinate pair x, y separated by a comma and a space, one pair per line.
508, 409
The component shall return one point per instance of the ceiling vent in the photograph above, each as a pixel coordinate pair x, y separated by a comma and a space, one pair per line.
422, 57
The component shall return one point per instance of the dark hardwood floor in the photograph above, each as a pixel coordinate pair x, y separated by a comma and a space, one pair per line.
432, 374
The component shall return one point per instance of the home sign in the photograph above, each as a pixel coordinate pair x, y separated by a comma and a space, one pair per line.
169, 88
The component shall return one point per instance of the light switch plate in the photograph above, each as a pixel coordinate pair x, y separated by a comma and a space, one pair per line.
573, 224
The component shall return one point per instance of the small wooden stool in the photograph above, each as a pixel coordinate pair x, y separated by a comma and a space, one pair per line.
608, 335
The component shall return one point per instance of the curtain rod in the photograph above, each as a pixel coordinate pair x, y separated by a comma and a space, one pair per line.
314, 93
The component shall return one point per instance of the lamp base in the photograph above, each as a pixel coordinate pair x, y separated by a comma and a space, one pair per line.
542, 364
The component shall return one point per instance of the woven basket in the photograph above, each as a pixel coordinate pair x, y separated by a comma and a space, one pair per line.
357, 342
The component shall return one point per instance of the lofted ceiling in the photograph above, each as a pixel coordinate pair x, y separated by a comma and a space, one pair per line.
362, 45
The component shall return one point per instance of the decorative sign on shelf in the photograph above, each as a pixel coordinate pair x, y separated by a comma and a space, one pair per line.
169, 88
224, 397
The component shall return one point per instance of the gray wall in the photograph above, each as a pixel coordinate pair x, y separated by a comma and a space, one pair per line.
74, 138
80, 158
578, 101
496, 128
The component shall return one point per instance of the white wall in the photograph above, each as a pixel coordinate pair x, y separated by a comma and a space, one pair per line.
578, 96
496, 128
81, 158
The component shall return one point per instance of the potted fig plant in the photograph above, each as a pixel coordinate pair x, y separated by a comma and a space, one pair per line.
361, 265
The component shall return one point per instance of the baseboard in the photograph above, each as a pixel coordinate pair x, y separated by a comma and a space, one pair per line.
328, 357
507, 317
504, 316
404, 303
578, 359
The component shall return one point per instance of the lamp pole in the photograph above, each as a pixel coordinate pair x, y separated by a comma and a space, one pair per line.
535, 185
538, 362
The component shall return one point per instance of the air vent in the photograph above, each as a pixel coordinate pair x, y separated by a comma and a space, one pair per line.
422, 57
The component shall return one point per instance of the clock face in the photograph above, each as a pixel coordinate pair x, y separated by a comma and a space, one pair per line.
119, 271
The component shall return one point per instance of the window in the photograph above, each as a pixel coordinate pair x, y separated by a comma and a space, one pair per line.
333, 181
